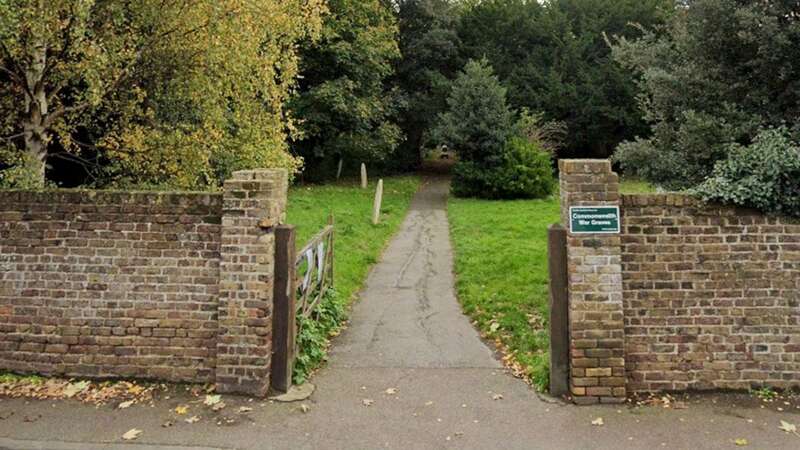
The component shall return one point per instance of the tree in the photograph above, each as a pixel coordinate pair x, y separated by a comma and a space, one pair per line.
553, 58
478, 121
498, 157
723, 71
60, 59
174, 92
346, 108
431, 59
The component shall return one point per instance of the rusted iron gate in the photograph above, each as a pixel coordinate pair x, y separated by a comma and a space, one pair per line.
301, 280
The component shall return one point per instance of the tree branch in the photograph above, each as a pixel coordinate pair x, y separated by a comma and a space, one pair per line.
13, 136
19, 78
87, 165
14, 76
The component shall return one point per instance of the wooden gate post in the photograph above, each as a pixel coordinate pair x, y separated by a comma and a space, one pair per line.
284, 310
559, 315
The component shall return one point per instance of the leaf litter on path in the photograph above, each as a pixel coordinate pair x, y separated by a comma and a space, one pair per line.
132, 434
94, 392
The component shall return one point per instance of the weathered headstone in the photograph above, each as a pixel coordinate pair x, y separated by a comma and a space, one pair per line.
376, 207
363, 176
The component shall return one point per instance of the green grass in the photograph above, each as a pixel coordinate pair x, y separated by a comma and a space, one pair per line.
635, 186
502, 278
358, 243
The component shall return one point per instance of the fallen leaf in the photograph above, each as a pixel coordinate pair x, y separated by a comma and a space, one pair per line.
788, 427
6, 415
74, 389
212, 400
181, 410
741, 442
244, 409
428, 403
124, 405
31, 419
305, 408
132, 434
193, 419
391, 391
494, 327
497, 397
167, 424
598, 422
367, 402
218, 407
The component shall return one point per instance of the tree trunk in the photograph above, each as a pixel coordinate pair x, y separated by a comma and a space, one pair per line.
34, 123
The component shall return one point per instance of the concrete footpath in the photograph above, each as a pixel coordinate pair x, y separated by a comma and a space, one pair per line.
409, 373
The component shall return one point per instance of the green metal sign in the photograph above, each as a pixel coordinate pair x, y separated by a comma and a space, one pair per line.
594, 219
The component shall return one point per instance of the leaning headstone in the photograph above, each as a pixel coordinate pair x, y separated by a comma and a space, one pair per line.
363, 176
376, 207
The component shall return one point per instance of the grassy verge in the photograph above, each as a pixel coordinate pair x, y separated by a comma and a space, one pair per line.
502, 278
502, 283
358, 246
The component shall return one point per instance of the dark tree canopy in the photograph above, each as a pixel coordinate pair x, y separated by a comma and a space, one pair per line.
431, 52
554, 58
723, 71
346, 106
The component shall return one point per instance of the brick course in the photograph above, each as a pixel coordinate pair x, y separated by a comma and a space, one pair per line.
132, 284
688, 296
712, 296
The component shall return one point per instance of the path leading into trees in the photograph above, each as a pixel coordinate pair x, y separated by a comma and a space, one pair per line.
409, 373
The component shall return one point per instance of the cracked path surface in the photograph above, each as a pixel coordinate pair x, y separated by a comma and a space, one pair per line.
408, 315
408, 333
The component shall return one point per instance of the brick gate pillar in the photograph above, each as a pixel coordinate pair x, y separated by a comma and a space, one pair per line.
254, 201
597, 359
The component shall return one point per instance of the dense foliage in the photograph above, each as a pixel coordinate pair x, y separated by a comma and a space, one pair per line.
722, 71
176, 92
315, 331
432, 57
347, 108
553, 58
764, 175
493, 160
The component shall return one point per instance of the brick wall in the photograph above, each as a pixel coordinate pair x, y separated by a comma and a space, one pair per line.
117, 284
687, 297
712, 296
597, 365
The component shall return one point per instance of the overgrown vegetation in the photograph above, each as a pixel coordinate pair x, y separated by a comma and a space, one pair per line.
315, 332
552, 58
151, 92
764, 175
358, 246
347, 106
500, 156
720, 73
